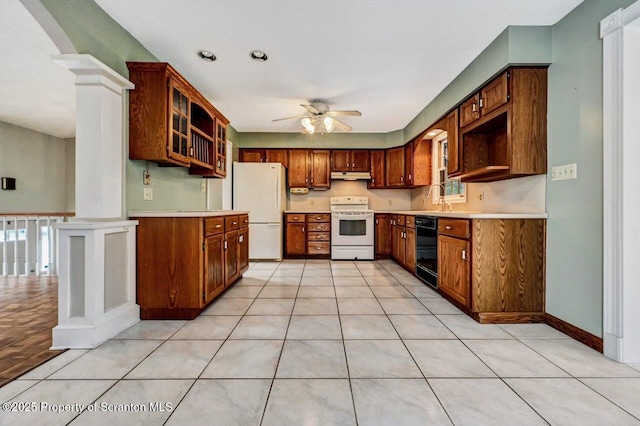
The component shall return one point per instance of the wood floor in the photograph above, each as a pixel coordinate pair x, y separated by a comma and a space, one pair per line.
28, 312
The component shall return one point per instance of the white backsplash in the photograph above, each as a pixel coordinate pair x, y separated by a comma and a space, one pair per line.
520, 195
379, 199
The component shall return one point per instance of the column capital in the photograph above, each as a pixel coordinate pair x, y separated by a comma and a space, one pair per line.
90, 71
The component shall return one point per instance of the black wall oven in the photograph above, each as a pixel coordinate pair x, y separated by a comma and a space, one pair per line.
427, 249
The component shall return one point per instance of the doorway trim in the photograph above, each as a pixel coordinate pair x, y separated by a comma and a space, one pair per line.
620, 33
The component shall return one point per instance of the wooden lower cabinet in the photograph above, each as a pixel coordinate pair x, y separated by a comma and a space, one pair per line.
494, 269
403, 241
382, 236
183, 263
307, 235
454, 268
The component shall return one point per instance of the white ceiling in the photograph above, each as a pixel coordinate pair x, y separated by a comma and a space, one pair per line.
386, 58
35, 92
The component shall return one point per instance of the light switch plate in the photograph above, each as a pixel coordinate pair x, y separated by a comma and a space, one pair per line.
564, 172
148, 194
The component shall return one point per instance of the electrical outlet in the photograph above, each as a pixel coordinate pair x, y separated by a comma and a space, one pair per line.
146, 177
203, 186
480, 197
311, 202
148, 194
564, 172
390, 202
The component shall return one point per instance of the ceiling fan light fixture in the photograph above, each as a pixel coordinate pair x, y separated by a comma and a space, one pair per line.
206, 55
258, 55
328, 124
308, 125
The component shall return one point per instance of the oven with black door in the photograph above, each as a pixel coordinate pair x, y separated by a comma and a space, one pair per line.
427, 249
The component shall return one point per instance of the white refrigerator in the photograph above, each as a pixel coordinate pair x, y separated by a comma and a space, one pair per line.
260, 188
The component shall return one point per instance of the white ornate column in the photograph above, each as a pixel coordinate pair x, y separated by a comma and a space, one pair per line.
620, 32
96, 251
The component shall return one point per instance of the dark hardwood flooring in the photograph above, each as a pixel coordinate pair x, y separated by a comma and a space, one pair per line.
28, 312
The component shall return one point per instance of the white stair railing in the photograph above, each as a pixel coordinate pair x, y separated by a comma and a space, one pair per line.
31, 239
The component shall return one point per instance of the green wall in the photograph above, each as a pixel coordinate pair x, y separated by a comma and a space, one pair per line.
93, 31
299, 140
574, 228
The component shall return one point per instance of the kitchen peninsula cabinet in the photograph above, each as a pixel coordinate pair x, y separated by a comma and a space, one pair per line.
187, 259
171, 123
493, 268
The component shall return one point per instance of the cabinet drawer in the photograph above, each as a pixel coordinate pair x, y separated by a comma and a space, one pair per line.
319, 227
401, 220
295, 218
410, 221
318, 236
316, 247
214, 225
244, 220
230, 223
322, 217
453, 227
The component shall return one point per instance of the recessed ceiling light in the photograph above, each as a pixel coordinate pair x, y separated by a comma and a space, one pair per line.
205, 55
258, 55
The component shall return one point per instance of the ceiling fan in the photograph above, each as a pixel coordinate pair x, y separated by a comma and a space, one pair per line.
320, 119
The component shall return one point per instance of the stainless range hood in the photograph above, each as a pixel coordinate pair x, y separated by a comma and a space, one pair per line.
350, 176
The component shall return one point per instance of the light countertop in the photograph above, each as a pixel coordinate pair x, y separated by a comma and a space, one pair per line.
185, 213
455, 214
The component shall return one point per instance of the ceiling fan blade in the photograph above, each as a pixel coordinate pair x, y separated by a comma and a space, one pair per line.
288, 118
350, 113
311, 109
341, 126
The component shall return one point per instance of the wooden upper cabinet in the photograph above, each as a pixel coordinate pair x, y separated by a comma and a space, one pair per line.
360, 161
510, 137
346, 160
408, 164
298, 172
450, 124
494, 94
395, 166
277, 156
320, 172
171, 123
251, 155
340, 160
378, 167
470, 110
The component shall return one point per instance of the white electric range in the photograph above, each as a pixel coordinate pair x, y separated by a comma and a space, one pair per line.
351, 228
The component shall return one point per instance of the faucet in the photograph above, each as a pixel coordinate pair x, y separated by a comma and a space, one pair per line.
441, 200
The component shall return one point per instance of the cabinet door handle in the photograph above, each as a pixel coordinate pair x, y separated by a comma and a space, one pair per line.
376, 221
306, 180
464, 255
474, 107
234, 223
373, 180
448, 228
353, 165
401, 178
311, 180
295, 218
303, 229
218, 226
225, 244
481, 103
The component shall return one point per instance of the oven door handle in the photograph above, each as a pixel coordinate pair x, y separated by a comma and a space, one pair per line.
348, 216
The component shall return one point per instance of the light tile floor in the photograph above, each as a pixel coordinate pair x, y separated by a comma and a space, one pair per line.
327, 343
